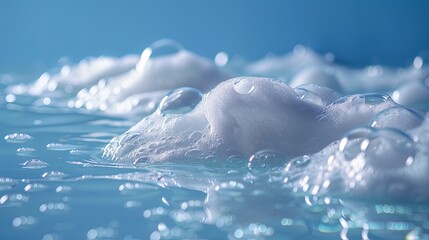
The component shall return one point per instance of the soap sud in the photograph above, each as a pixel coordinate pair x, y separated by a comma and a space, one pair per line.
239, 119
125, 85
246, 116
317, 118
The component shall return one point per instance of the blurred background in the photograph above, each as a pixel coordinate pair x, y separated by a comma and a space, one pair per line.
35, 34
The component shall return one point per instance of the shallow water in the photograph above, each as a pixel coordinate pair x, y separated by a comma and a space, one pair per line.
55, 184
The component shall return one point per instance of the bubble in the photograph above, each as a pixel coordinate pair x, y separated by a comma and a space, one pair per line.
266, 158
308, 96
17, 138
35, 187
388, 149
132, 188
418, 62
221, 59
23, 221
7, 184
34, 164
92, 234
63, 189
129, 137
10, 98
399, 117
370, 99
158, 49
243, 86
375, 98
141, 160
59, 147
298, 162
350, 144
54, 175
25, 151
180, 101
238, 233
54, 208
195, 136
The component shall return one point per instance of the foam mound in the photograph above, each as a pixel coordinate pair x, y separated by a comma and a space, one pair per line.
244, 115
126, 85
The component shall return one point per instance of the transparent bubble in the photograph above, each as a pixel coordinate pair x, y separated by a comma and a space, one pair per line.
368, 98
266, 158
243, 86
350, 144
141, 160
54, 208
129, 137
375, 98
158, 49
179, 101
34, 164
308, 96
399, 117
298, 162
17, 138
195, 136
388, 149
35, 187
59, 147
54, 175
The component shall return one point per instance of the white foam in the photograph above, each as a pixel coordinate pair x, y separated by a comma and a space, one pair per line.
145, 87
244, 115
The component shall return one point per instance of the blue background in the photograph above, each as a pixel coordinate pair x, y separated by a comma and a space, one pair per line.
35, 34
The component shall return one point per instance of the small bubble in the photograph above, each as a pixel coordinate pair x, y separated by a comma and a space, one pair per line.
17, 138
180, 101
309, 96
92, 234
54, 175
266, 158
63, 189
388, 148
350, 144
244, 86
375, 98
238, 233
418, 62
158, 49
10, 98
35, 187
195, 136
399, 117
59, 147
46, 101
221, 59
54, 208
299, 162
34, 164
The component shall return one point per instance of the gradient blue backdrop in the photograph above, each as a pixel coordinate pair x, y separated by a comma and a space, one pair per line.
35, 34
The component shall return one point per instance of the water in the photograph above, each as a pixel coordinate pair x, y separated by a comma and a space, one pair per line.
163, 180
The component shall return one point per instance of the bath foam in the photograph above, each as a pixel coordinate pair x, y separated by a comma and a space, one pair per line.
70, 79
304, 66
144, 86
382, 164
131, 84
242, 116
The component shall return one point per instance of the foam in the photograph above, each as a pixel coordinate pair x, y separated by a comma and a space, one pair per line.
383, 164
146, 86
70, 79
244, 115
